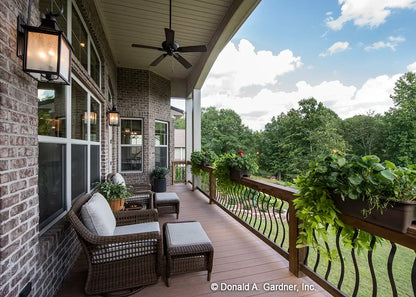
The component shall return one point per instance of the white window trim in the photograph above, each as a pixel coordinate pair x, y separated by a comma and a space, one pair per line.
68, 141
167, 141
130, 145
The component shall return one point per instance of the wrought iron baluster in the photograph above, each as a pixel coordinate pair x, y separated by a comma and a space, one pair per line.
246, 195
328, 270
305, 261
370, 263
276, 224
390, 268
354, 260
251, 203
283, 225
255, 203
318, 254
341, 276
260, 207
414, 276
268, 213
240, 198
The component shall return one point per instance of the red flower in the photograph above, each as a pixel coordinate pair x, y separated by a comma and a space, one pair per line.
241, 153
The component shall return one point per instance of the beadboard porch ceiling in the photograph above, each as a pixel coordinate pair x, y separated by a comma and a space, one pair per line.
195, 22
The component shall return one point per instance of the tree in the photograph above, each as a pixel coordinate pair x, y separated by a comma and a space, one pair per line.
180, 123
364, 134
400, 136
222, 131
291, 141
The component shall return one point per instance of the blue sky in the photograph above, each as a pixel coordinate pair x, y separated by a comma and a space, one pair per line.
346, 53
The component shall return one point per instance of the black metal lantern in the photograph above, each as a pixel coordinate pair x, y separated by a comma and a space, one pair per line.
114, 117
45, 51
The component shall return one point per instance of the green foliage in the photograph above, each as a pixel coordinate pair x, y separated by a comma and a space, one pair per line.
223, 132
338, 176
113, 191
200, 159
180, 123
294, 139
225, 162
159, 173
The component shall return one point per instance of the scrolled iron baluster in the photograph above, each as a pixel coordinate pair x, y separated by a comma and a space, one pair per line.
256, 205
370, 264
275, 221
260, 207
305, 261
390, 268
341, 276
354, 260
240, 198
251, 203
246, 194
414, 276
283, 225
318, 255
268, 213
328, 270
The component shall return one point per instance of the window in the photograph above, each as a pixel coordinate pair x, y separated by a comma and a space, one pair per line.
51, 181
69, 147
55, 6
51, 110
131, 145
79, 39
95, 66
161, 144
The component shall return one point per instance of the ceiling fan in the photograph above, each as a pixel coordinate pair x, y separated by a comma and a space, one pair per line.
171, 47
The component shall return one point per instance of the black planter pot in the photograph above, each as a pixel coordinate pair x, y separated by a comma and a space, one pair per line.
398, 217
159, 185
237, 174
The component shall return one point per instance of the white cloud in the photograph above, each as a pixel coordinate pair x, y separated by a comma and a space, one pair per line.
328, 13
412, 67
369, 13
337, 47
392, 43
237, 82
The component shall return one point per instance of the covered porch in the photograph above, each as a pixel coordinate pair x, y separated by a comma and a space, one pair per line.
239, 258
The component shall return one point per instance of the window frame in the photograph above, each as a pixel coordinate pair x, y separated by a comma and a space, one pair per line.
120, 145
167, 141
69, 141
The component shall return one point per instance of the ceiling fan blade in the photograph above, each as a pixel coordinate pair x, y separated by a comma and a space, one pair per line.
170, 36
147, 46
195, 48
158, 60
182, 60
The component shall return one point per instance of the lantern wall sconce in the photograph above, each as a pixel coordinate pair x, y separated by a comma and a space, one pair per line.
113, 117
45, 50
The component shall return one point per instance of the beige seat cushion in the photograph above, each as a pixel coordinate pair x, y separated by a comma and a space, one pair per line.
97, 216
166, 197
119, 179
186, 234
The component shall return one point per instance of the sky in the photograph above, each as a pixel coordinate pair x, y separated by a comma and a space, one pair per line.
347, 54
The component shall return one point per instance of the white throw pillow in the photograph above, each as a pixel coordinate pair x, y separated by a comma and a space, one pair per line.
97, 216
119, 179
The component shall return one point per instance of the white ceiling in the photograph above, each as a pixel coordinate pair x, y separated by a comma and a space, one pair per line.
195, 22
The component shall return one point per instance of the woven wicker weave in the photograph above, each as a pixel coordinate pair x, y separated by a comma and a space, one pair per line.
190, 258
120, 262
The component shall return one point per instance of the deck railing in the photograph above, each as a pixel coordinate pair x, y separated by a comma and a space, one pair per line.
267, 210
178, 172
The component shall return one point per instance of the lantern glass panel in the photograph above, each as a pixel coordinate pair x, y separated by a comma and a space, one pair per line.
42, 51
65, 60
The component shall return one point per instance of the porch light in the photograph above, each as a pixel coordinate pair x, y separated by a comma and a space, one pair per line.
114, 117
45, 51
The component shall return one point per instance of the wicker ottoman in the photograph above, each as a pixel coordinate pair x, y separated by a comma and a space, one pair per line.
187, 248
167, 203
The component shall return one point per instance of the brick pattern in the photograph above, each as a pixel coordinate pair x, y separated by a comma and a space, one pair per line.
18, 158
144, 94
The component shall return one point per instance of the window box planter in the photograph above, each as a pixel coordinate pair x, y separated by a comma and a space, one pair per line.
237, 174
398, 217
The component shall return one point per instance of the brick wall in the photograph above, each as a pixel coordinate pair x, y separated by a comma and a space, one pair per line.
143, 94
19, 214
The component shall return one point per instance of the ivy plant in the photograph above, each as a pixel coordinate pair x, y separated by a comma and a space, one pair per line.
200, 159
340, 176
226, 162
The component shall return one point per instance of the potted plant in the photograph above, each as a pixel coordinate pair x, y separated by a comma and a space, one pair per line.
116, 194
232, 167
362, 187
201, 159
159, 179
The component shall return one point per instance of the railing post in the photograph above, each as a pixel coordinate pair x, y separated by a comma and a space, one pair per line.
173, 172
295, 255
212, 187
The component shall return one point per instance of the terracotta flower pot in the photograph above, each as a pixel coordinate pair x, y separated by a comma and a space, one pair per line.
116, 205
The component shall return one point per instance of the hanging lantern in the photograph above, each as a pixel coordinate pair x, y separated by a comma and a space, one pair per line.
114, 117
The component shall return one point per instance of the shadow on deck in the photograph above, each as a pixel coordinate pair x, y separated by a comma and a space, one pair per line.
239, 258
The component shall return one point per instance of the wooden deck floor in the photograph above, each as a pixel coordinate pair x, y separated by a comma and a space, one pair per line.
239, 258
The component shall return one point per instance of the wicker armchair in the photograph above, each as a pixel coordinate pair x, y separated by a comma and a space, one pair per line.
142, 196
119, 262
